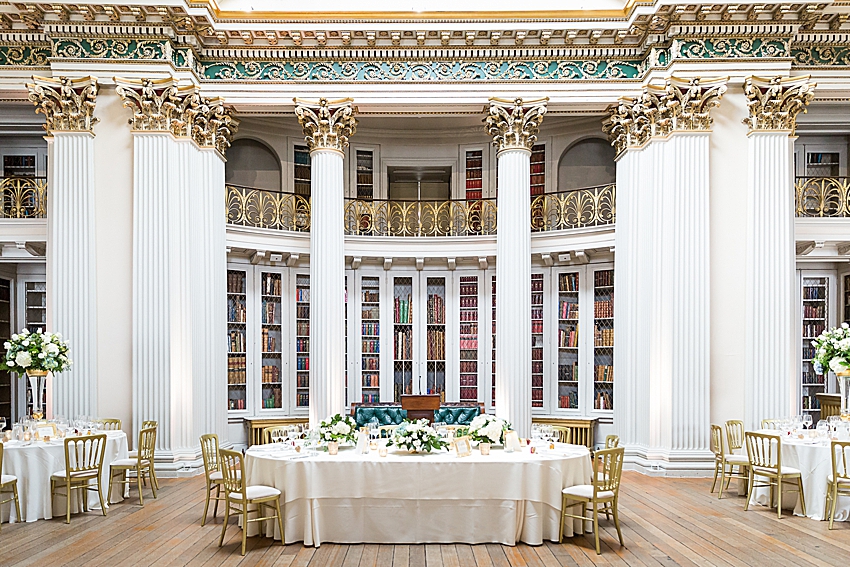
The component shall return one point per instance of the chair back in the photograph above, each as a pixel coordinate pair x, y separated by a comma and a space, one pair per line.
147, 424
609, 462
210, 453
388, 429
840, 461
84, 455
769, 423
109, 424
564, 433
734, 434
763, 450
267, 432
612, 441
231, 462
716, 441
147, 444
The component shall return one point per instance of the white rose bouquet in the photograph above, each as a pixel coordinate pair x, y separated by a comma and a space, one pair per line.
36, 351
417, 436
337, 428
487, 428
832, 350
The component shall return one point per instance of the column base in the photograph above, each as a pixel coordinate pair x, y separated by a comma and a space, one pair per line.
666, 463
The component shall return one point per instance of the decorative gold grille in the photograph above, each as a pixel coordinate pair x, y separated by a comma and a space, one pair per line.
267, 209
23, 197
593, 206
822, 196
420, 218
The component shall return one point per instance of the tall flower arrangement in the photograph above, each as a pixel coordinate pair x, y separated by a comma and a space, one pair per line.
337, 428
417, 436
832, 350
486, 428
39, 351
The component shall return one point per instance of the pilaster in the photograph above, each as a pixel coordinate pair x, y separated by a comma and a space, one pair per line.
327, 127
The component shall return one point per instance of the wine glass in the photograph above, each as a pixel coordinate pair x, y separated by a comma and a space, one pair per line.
807, 420
822, 428
2, 423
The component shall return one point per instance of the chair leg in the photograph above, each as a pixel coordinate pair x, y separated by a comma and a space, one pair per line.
207, 503
217, 496
139, 484
154, 487
834, 489
109, 490
103, 505
68, 503
280, 522
245, 526
596, 527
17, 502
779, 497
617, 521
716, 470
749, 491
802, 497
224, 525
722, 479
563, 518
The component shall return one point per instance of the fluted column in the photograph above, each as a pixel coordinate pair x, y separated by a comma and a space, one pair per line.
770, 290
327, 127
68, 106
514, 126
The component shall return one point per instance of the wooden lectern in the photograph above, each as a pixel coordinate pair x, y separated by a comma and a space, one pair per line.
419, 407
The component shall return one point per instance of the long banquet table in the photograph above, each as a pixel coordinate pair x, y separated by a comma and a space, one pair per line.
34, 461
424, 498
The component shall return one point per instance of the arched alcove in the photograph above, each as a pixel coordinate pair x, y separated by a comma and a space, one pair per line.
586, 164
252, 164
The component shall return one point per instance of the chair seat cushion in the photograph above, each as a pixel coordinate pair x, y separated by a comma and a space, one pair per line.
586, 491
786, 471
257, 491
218, 476
76, 474
128, 462
133, 454
734, 459
7, 478
843, 482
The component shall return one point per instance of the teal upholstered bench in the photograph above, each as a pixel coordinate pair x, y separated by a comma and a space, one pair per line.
453, 415
378, 415
366, 415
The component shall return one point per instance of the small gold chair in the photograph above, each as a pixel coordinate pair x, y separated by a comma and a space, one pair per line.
146, 424
267, 432
612, 441
83, 465
9, 485
390, 429
109, 424
239, 497
142, 464
564, 433
605, 490
765, 456
725, 463
838, 483
769, 423
212, 472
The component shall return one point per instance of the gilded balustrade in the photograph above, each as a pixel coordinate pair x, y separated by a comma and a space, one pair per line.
420, 218
578, 208
267, 209
822, 196
23, 197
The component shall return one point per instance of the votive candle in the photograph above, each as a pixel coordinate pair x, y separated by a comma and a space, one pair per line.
27, 436
382, 451
484, 448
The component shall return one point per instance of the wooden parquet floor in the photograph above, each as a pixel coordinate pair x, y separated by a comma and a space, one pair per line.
665, 522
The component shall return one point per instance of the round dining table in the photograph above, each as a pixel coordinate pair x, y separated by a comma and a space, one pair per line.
503, 497
33, 462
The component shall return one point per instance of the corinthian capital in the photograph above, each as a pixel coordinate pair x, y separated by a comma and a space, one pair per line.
514, 124
688, 102
327, 124
775, 102
67, 104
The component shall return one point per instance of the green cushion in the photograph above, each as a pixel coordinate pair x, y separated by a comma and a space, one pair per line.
456, 415
379, 415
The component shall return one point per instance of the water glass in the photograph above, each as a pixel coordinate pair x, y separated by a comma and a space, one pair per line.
822, 428
807, 420
2, 423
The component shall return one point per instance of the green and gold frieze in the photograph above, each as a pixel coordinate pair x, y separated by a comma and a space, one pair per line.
821, 55
31, 55
112, 48
731, 48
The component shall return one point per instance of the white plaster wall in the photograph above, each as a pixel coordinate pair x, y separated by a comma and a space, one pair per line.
728, 235
113, 161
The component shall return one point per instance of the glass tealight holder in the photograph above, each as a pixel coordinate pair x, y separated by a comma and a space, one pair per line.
27, 436
382, 451
333, 447
7, 436
484, 448
373, 445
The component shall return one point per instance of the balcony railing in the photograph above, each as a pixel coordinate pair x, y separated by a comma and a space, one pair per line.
420, 218
578, 208
822, 196
267, 209
23, 197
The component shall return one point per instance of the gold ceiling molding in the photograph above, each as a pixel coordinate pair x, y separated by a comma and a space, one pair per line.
67, 104
679, 105
327, 124
514, 124
162, 105
775, 102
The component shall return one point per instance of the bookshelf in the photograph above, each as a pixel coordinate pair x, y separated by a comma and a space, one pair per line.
237, 319
301, 173
6, 395
468, 339
815, 316
537, 340
19, 166
271, 343
402, 337
302, 340
36, 305
822, 164
568, 340
365, 175
345, 359
493, 340
370, 339
846, 288
538, 169
603, 340
435, 362
474, 174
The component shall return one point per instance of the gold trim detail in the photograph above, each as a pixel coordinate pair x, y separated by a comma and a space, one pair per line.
822, 196
23, 197
775, 102
327, 124
579, 208
514, 124
67, 104
420, 218
267, 209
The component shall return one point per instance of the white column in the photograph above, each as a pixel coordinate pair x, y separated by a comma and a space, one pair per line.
513, 274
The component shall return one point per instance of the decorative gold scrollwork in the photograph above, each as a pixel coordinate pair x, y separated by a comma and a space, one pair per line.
23, 197
822, 196
67, 104
775, 102
420, 218
579, 208
267, 209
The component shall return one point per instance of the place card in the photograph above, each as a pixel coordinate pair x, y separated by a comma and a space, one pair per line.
463, 446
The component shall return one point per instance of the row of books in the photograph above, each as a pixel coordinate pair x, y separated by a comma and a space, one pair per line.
567, 338
364, 178
271, 284
812, 378
468, 380
811, 402
272, 401
814, 311
538, 167
538, 179
469, 314
235, 282
603, 373
371, 296
302, 400
469, 394
403, 345
603, 337
536, 396
603, 308
537, 190
814, 292
302, 155
436, 344
469, 329
370, 362
536, 367
568, 401
236, 341
236, 311
236, 403
812, 330
473, 193
537, 283
302, 312
302, 380
371, 313
469, 344
568, 310
603, 401
472, 174
536, 323
236, 377
401, 310
302, 328
270, 374
370, 329
568, 372
436, 310
809, 351
270, 310
302, 172
603, 278
470, 289
302, 295
371, 397
268, 343
302, 363
568, 282
371, 380
370, 346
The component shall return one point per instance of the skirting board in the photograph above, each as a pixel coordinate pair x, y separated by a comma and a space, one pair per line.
653, 462
186, 463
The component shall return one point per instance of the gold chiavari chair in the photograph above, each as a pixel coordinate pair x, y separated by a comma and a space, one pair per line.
142, 464
838, 483
239, 497
83, 466
604, 490
267, 432
146, 424
9, 485
212, 472
109, 424
612, 441
725, 463
769, 423
564, 433
765, 456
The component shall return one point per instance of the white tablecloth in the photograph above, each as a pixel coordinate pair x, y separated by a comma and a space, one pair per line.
815, 463
419, 498
33, 464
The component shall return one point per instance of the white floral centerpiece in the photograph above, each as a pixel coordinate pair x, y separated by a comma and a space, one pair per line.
36, 354
337, 428
486, 428
416, 436
832, 352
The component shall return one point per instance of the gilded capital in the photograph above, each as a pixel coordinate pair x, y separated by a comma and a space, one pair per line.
688, 102
67, 104
514, 124
327, 124
775, 102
